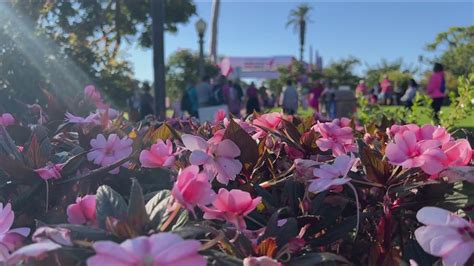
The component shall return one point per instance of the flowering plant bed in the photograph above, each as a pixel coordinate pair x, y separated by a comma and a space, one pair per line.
96, 189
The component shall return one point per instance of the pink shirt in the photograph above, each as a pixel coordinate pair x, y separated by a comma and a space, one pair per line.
434, 85
361, 88
386, 86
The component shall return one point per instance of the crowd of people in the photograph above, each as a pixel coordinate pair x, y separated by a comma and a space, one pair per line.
224, 91
244, 99
386, 93
141, 103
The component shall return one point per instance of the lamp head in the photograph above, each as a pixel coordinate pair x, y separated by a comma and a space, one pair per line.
201, 26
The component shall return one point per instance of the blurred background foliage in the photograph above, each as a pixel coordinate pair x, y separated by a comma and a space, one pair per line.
63, 45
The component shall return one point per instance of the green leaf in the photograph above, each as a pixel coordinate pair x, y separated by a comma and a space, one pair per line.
193, 231
283, 233
317, 202
183, 218
291, 131
414, 251
248, 147
317, 259
109, 203
156, 208
266, 196
136, 214
218, 258
7, 145
73, 163
82, 232
338, 232
461, 196
376, 169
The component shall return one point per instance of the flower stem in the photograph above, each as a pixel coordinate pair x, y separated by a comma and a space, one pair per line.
357, 205
255, 221
47, 194
171, 218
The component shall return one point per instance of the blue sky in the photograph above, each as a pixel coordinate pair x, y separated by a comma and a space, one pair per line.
369, 30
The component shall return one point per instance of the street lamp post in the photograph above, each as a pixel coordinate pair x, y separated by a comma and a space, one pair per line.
201, 28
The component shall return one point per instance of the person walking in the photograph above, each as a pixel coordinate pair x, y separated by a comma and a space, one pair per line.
410, 93
204, 92
231, 98
252, 99
361, 89
315, 93
329, 99
436, 89
146, 101
397, 93
289, 99
386, 87
190, 101
134, 106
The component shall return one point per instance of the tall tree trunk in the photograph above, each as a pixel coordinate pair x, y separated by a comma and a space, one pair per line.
302, 36
158, 16
213, 36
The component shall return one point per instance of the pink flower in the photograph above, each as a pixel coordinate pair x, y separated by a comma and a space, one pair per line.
57, 235
83, 211
193, 188
304, 168
220, 115
398, 129
331, 176
35, 251
369, 139
409, 153
346, 122
232, 206
50, 171
159, 155
458, 153
426, 132
292, 152
338, 139
430, 132
9, 239
459, 173
108, 151
7, 119
219, 134
244, 125
92, 93
269, 121
110, 112
261, 261
163, 249
217, 158
90, 119
217, 137
445, 235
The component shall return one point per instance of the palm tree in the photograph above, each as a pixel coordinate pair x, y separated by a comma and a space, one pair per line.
298, 18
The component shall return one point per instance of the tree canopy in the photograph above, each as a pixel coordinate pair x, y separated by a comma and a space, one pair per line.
68, 43
182, 68
456, 48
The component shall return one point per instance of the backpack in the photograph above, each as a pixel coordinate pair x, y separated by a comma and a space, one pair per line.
443, 85
217, 95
